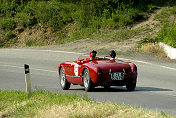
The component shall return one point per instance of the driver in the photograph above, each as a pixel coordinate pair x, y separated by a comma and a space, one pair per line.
112, 55
93, 55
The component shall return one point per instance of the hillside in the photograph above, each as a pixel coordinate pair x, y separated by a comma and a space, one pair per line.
106, 23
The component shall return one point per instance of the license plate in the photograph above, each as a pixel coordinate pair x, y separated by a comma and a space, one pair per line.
117, 76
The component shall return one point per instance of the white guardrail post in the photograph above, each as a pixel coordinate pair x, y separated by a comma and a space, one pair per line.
27, 80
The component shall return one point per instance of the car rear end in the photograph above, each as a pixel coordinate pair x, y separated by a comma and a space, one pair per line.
116, 73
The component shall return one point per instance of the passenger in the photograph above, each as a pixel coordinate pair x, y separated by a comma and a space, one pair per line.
93, 55
112, 55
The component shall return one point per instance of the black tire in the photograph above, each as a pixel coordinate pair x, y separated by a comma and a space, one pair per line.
88, 85
107, 87
65, 85
131, 85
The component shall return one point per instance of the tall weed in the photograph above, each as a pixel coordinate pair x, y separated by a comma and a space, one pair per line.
168, 34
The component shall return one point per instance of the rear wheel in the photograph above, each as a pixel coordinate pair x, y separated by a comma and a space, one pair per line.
107, 87
65, 85
88, 85
131, 85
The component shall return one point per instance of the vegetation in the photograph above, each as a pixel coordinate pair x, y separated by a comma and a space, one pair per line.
47, 104
70, 19
167, 34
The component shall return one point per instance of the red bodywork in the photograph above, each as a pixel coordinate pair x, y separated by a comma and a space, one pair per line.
100, 71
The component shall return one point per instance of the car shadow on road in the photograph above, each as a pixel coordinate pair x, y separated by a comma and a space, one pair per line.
151, 89
122, 89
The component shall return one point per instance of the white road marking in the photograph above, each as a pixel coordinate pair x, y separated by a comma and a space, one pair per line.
148, 63
60, 51
171, 95
55, 51
136, 61
11, 66
30, 68
168, 68
44, 70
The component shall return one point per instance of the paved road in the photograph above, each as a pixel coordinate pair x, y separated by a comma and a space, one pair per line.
156, 87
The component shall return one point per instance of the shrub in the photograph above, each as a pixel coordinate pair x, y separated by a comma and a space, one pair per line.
7, 23
9, 8
53, 14
125, 16
30, 42
168, 34
9, 35
25, 19
7, 38
146, 41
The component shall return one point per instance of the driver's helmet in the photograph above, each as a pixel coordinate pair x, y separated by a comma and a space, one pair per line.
93, 54
112, 54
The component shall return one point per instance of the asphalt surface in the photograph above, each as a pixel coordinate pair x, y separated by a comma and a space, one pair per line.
156, 86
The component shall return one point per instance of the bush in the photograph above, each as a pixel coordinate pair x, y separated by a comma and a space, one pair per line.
146, 41
9, 35
53, 14
7, 23
168, 34
125, 16
7, 38
9, 8
25, 19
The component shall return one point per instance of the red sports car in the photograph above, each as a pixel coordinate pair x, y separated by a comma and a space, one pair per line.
98, 72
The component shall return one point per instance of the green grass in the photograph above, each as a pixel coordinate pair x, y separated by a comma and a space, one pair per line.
47, 104
102, 35
34, 43
165, 14
17, 104
167, 34
104, 51
117, 35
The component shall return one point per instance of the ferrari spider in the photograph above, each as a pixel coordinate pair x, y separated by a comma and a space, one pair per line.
98, 72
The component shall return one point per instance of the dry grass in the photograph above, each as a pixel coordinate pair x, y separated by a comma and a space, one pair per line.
154, 48
84, 109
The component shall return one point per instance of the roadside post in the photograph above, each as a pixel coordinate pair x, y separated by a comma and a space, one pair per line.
27, 80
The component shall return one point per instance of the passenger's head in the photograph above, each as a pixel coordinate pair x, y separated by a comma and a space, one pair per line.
93, 54
112, 54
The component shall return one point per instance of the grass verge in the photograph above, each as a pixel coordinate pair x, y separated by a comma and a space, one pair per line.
50, 105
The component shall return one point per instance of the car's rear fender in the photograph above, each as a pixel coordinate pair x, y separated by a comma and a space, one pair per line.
133, 70
92, 72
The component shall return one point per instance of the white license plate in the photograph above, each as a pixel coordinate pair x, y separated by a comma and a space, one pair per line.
117, 76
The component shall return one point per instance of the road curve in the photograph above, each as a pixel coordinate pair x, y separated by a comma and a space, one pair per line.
156, 87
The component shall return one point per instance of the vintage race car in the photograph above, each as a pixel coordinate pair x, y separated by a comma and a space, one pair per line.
99, 72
